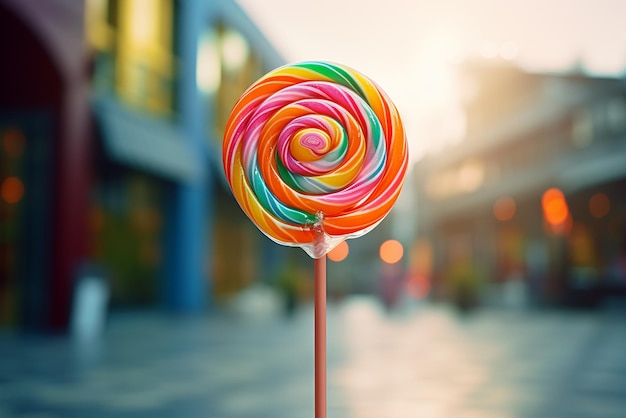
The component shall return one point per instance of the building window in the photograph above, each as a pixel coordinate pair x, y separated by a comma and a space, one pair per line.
582, 128
126, 225
132, 48
227, 66
616, 114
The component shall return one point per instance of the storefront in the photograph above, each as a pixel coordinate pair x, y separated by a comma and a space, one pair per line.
111, 156
25, 232
232, 55
44, 171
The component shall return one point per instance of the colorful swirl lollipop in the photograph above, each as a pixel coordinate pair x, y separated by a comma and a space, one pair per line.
315, 153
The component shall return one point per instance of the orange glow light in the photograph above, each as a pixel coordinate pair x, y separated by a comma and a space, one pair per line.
12, 190
551, 194
391, 251
554, 206
599, 205
340, 252
96, 219
504, 208
418, 286
13, 143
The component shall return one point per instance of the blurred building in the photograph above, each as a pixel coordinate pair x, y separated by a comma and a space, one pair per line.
531, 205
111, 121
44, 168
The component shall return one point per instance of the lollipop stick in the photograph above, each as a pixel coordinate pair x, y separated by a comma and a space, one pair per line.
319, 272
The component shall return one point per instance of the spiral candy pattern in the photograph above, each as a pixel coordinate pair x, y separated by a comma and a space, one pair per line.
315, 147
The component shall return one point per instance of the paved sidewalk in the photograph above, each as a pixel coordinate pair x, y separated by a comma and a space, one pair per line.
421, 362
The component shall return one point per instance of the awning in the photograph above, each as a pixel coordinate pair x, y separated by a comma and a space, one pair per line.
601, 163
145, 143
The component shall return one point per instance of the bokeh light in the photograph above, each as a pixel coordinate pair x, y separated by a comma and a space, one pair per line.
599, 205
504, 208
391, 251
508, 50
471, 176
418, 286
489, 49
554, 206
208, 74
234, 50
339, 253
13, 143
12, 190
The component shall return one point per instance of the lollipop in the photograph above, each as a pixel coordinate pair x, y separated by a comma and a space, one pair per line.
315, 153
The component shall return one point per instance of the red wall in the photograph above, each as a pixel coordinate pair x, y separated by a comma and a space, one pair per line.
43, 53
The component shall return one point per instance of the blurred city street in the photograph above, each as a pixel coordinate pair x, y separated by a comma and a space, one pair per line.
421, 360
161, 161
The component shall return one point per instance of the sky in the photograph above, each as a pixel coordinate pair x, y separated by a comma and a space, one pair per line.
412, 47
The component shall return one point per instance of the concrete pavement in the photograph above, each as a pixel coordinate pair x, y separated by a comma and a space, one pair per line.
421, 361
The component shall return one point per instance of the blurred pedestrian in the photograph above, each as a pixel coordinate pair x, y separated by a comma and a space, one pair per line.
288, 285
466, 282
391, 285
